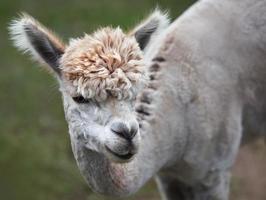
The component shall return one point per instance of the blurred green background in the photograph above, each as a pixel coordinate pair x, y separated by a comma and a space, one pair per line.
36, 161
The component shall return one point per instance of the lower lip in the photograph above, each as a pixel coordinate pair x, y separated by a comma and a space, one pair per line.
122, 157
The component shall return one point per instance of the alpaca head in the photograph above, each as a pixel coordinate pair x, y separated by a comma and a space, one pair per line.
100, 75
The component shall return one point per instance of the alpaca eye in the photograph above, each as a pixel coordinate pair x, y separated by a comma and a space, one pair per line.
80, 99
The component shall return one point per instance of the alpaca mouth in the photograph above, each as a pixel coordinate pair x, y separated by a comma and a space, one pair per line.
120, 157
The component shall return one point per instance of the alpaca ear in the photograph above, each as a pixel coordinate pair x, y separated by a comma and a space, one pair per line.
30, 36
150, 27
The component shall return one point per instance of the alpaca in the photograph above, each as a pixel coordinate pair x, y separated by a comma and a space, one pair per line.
164, 101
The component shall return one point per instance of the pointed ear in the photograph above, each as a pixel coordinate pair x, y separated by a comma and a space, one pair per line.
150, 27
30, 36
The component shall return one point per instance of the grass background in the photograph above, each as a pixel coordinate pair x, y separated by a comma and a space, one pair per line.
36, 161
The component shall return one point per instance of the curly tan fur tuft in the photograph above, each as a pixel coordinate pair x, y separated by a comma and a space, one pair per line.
106, 62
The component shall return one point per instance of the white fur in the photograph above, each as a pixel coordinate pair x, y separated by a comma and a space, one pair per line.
164, 21
161, 17
19, 36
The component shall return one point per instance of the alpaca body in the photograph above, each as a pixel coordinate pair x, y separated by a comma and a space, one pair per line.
205, 89
215, 57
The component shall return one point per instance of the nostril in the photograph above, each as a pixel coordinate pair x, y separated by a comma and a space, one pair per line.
133, 131
122, 130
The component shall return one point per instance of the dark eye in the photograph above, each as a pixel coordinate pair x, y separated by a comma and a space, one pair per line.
80, 99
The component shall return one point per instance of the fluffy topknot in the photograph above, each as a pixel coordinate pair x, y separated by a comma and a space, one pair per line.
106, 62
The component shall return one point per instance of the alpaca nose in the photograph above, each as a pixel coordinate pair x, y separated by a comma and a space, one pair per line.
124, 131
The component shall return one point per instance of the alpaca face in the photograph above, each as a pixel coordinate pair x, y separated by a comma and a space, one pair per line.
109, 127
100, 76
